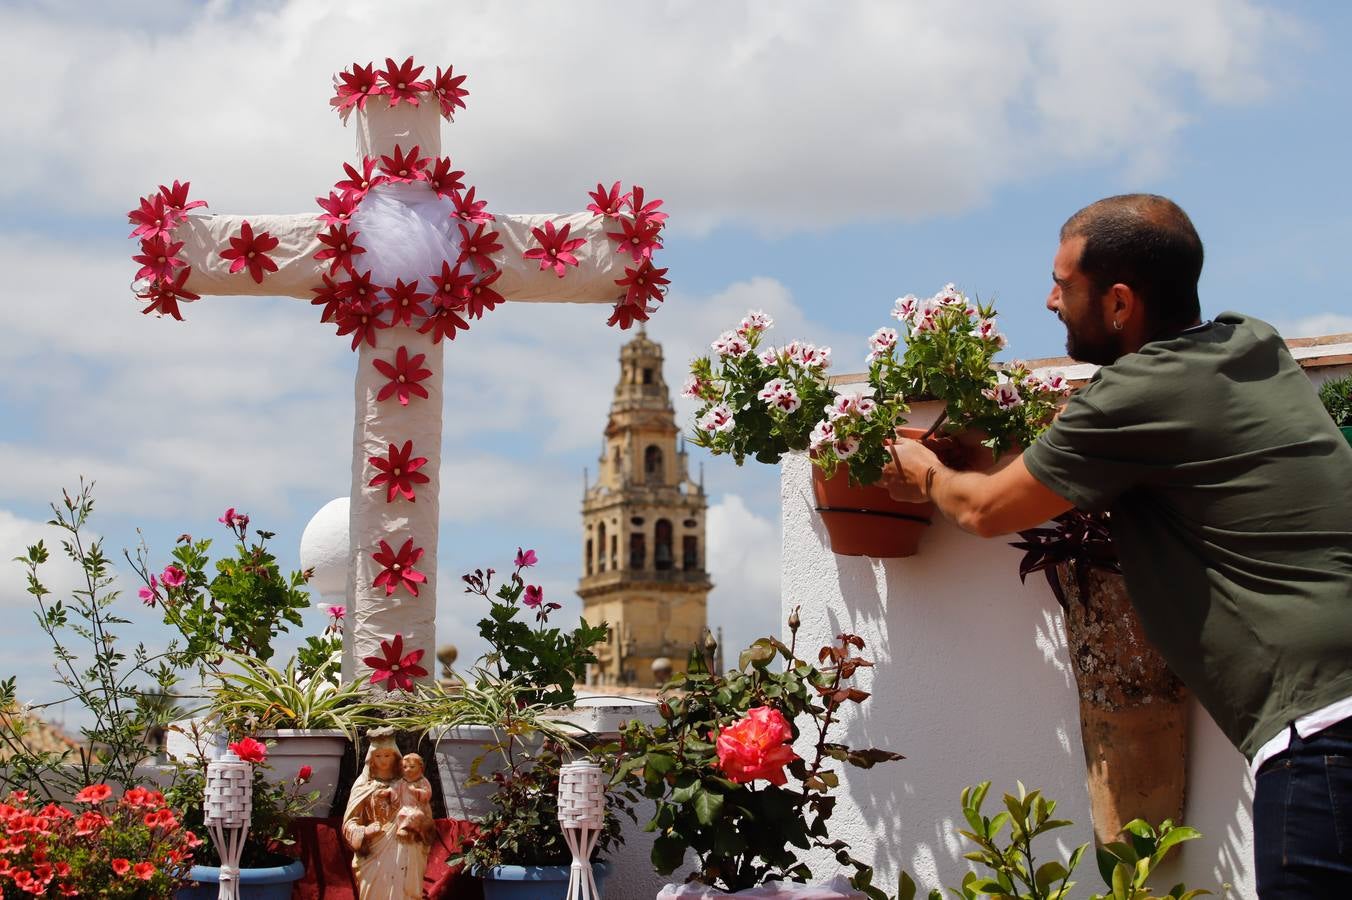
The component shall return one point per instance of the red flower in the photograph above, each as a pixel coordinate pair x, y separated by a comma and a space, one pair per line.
360, 288
339, 246
402, 168
90, 823
304, 774
121, 866
535, 595
626, 314
645, 212
356, 86
477, 246
443, 322
158, 258
757, 747
398, 568
251, 251
404, 375
451, 286
481, 295
443, 179
643, 283
95, 793
448, 91
164, 296
176, 198
358, 183
400, 83
250, 750
152, 218
338, 208
398, 472
525, 558
144, 870
638, 238
555, 250
471, 210
361, 319
405, 300
394, 668
607, 203
331, 295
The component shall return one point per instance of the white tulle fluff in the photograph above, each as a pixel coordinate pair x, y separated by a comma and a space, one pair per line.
407, 232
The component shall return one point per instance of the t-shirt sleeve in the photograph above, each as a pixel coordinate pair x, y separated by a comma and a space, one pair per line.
1085, 457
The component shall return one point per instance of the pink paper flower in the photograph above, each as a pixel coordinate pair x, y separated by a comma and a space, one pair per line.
403, 302
637, 238
398, 568
355, 87
339, 246
645, 213
398, 472
165, 296
404, 375
555, 250
338, 208
445, 180
469, 209
756, 747
358, 183
477, 247
359, 287
361, 319
176, 198
173, 576
446, 88
331, 295
443, 322
401, 82
405, 168
480, 296
525, 558
450, 287
250, 750
395, 668
643, 283
607, 202
626, 314
158, 258
152, 218
250, 251
535, 595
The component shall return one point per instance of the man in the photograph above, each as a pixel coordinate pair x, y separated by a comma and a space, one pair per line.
1230, 494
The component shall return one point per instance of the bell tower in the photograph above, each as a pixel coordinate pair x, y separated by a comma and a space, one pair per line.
643, 532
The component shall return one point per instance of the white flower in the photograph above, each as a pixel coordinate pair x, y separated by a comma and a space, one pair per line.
1055, 381
718, 418
730, 343
788, 400
811, 357
865, 406
847, 447
883, 338
757, 320
1006, 396
1034, 383
769, 356
950, 296
985, 329
906, 308
692, 387
924, 321
770, 393
823, 433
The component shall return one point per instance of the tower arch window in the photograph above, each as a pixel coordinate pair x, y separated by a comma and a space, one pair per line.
647, 376
652, 464
615, 459
589, 564
601, 547
638, 550
662, 558
690, 552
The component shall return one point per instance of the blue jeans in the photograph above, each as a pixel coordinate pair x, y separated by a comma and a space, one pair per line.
1302, 818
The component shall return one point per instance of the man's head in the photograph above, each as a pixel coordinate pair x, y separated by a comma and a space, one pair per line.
1126, 273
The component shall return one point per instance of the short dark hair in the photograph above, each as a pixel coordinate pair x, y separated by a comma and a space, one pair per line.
1148, 243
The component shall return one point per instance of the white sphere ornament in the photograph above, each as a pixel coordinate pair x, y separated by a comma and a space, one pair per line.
324, 547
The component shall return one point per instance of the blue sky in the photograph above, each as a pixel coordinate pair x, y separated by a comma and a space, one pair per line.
817, 161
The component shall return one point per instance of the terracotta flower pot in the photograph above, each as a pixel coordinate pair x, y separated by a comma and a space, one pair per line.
1133, 708
864, 520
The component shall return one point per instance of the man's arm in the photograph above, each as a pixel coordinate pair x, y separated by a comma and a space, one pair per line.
1007, 500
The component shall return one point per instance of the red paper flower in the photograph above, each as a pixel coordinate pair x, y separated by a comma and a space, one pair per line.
443, 179
250, 251
757, 747
443, 322
398, 568
356, 86
250, 750
95, 793
398, 472
158, 258
481, 296
164, 296
638, 238
451, 287
339, 246
361, 319
176, 198
476, 247
404, 375
359, 286
393, 667
338, 209
404, 301
471, 210
626, 314
401, 83
152, 218
607, 203
404, 169
448, 91
358, 183
643, 284
331, 295
555, 250
645, 212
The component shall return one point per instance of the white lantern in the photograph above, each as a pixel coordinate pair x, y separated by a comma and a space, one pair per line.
228, 807
582, 813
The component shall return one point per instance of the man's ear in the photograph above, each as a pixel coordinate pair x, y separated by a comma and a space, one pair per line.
1122, 307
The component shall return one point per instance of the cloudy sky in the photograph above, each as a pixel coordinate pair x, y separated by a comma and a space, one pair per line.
817, 159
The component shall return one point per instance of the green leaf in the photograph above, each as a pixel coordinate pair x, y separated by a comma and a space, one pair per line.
668, 854
1048, 873
708, 807
905, 887
1175, 836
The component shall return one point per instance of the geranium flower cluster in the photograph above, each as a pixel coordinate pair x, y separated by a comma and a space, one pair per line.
132, 847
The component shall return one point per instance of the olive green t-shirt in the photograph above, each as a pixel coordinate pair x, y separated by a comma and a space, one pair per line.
1230, 492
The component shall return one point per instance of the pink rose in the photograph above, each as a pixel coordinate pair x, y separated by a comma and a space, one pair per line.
757, 747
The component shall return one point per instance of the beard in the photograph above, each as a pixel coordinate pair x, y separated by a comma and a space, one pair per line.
1091, 342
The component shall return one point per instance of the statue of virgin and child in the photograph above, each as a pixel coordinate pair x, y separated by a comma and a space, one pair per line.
388, 822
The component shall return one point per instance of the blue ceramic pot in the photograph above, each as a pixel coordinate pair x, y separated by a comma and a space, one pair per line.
272, 883
533, 882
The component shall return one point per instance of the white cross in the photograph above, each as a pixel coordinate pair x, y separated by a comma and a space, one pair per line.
376, 613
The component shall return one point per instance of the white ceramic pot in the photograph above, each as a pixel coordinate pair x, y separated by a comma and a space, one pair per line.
320, 749
457, 749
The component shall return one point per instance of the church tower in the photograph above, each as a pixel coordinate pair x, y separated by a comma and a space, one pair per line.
643, 533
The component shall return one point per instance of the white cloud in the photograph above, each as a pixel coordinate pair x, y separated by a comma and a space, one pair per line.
786, 116
743, 560
1317, 325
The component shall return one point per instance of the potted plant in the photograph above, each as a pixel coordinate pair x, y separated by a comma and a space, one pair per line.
764, 402
725, 770
1133, 708
1336, 395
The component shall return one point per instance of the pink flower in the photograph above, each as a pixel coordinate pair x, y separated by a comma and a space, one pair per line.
535, 595
337, 613
358, 183
1006, 396
250, 251
403, 302
444, 180
144, 870
250, 750
525, 558
446, 88
625, 314
476, 247
404, 168
331, 295
469, 209
339, 246
637, 238
444, 322
150, 593
304, 775
173, 576
481, 296
394, 667
718, 418
153, 218
176, 198
645, 212
643, 284
361, 319
404, 375
607, 202
398, 568
399, 472
164, 296
555, 250
756, 747
356, 86
338, 208
400, 83
158, 258
120, 866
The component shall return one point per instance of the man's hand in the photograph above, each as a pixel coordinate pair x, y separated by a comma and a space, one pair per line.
907, 478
